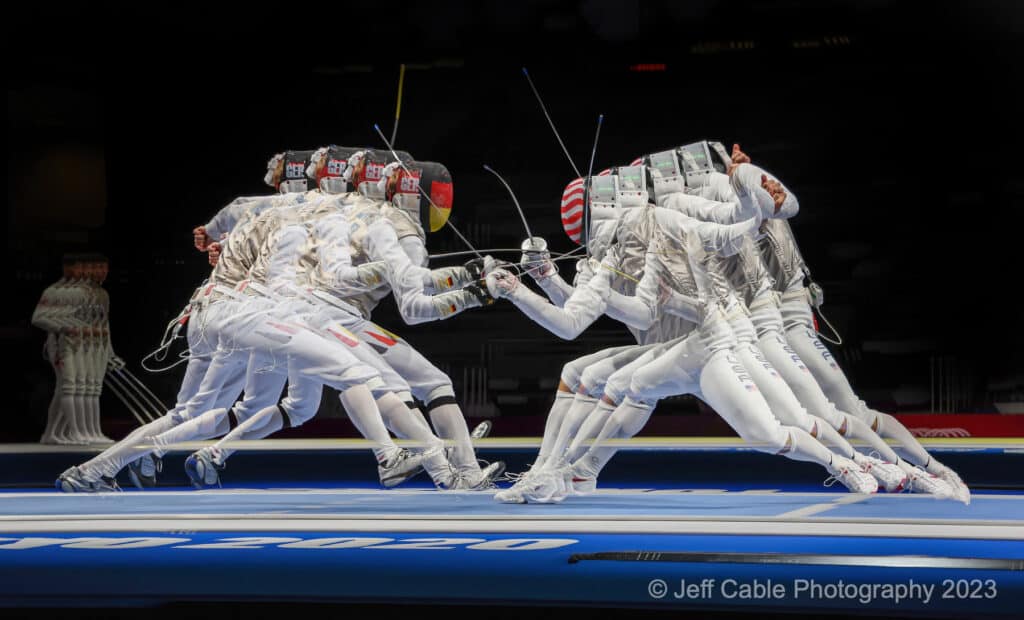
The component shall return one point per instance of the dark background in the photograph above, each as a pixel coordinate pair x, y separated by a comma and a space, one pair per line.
897, 125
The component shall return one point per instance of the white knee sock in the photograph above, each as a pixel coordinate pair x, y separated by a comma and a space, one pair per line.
434, 462
362, 410
263, 423
451, 426
892, 428
403, 421
114, 458
579, 410
858, 429
803, 447
831, 437
625, 422
590, 429
210, 424
556, 415
415, 412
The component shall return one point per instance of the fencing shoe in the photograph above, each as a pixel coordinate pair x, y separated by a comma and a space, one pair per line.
548, 487
203, 467
960, 490
481, 430
889, 476
514, 494
401, 466
74, 480
923, 482
142, 472
851, 476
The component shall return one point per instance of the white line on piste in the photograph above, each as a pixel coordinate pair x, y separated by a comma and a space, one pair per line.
146, 496
639, 519
814, 509
281, 524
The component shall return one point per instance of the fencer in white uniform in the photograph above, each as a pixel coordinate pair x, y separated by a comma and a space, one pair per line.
778, 261
286, 249
255, 326
742, 280
194, 396
582, 415
391, 227
582, 380
786, 266
701, 363
743, 272
327, 278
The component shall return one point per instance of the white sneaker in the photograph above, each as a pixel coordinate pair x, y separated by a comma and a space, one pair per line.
400, 467
203, 467
514, 494
511, 495
481, 430
889, 475
479, 482
547, 487
582, 484
74, 480
851, 476
960, 490
923, 482
143, 471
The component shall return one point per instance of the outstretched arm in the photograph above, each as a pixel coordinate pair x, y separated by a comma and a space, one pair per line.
226, 219
410, 283
707, 210
581, 309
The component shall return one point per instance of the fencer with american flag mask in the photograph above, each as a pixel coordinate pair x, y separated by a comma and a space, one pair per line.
673, 280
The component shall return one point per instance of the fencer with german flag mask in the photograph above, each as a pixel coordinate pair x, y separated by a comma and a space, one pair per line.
285, 174
388, 226
341, 292
258, 328
329, 169
701, 363
281, 271
274, 274
200, 390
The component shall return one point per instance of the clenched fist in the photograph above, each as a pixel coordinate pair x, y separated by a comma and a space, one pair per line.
200, 239
213, 253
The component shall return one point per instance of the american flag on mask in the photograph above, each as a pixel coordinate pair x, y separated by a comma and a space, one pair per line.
572, 208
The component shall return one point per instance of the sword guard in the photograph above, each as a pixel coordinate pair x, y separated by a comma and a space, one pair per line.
534, 245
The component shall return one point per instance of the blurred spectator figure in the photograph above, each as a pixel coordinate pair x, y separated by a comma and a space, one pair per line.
74, 314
